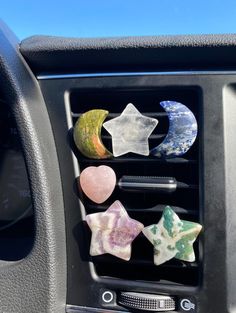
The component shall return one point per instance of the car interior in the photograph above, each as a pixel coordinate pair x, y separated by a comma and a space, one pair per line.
47, 86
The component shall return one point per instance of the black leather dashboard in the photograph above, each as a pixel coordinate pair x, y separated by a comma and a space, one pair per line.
48, 54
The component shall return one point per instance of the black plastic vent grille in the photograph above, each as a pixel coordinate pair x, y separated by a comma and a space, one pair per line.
147, 208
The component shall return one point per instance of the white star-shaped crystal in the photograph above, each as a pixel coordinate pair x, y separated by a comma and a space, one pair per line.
130, 131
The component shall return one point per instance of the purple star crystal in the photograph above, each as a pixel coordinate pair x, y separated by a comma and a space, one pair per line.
113, 231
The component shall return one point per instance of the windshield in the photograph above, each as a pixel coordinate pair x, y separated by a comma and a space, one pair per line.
106, 18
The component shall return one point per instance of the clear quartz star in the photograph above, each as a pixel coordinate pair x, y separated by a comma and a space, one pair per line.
113, 231
172, 237
130, 131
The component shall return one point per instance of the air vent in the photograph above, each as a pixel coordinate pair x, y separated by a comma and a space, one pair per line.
146, 208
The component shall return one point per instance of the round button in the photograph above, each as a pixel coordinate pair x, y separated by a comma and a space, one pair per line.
187, 305
107, 296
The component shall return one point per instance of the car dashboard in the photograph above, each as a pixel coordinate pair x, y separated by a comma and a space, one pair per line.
47, 84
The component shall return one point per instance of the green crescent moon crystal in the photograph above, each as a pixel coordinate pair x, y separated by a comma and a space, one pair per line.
172, 237
87, 134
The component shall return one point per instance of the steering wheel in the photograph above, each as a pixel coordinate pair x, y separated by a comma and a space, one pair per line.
36, 283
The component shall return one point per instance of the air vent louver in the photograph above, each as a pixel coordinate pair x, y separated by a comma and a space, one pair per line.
145, 207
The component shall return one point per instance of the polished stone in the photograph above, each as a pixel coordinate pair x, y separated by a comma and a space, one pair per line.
113, 231
98, 183
182, 131
172, 237
130, 131
87, 134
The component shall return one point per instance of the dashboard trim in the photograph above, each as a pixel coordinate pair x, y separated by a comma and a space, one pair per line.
118, 74
83, 309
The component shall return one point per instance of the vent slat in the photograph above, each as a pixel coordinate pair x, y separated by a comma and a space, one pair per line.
177, 161
159, 209
143, 262
113, 115
152, 137
159, 274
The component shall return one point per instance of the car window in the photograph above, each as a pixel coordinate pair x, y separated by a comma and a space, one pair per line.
91, 18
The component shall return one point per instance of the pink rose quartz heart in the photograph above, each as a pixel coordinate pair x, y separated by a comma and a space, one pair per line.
98, 183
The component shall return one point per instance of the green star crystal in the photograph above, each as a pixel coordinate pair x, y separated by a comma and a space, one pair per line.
172, 237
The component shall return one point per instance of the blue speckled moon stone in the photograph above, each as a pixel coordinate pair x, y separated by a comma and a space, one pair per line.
182, 131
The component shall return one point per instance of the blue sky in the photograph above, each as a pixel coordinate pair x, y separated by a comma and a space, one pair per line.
99, 18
